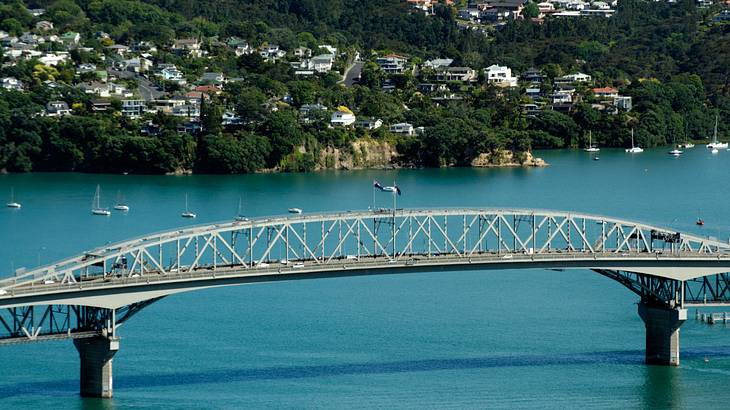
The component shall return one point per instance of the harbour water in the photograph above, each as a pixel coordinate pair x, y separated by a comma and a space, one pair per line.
511, 339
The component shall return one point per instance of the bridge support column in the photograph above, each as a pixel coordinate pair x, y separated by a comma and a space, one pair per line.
96, 365
662, 333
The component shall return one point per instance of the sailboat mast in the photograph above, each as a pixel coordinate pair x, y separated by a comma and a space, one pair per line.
714, 138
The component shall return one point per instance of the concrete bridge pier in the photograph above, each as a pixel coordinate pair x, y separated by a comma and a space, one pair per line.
96, 365
662, 333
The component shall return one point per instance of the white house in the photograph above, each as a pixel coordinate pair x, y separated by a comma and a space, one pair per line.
53, 59
322, 63
12, 83
500, 76
370, 123
402, 128
57, 109
343, 117
574, 78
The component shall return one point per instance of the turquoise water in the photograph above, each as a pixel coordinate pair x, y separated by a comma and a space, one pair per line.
511, 339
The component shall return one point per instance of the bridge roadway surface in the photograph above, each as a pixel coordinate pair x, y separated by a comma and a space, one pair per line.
113, 292
86, 297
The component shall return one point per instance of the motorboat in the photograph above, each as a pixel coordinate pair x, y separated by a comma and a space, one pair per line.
295, 210
676, 152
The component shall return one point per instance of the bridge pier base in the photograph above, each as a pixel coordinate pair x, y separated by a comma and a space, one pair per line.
662, 333
96, 365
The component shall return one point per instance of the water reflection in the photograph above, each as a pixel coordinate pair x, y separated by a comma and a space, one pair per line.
661, 388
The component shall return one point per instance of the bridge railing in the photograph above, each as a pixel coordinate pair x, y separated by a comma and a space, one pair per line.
330, 238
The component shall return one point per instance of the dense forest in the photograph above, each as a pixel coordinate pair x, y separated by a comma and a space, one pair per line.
671, 58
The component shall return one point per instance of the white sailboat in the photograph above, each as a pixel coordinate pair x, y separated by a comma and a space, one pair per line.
590, 147
188, 213
239, 216
96, 208
121, 205
12, 203
633, 149
715, 145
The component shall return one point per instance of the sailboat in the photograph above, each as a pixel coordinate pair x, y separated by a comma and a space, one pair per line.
187, 213
239, 216
96, 208
12, 203
590, 147
121, 206
715, 145
633, 149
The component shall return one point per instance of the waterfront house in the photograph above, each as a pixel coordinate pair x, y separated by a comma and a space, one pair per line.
574, 78
461, 74
605, 92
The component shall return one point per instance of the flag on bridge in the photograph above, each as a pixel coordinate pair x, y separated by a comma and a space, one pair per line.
394, 188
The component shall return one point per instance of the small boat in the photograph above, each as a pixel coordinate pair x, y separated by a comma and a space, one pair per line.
700, 221
596, 158
686, 145
715, 151
676, 152
188, 213
121, 206
96, 208
633, 149
590, 147
239, 216
715, 145
295, 211
12, 203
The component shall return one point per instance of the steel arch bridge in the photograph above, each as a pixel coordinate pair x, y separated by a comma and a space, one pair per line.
86, 297
83, 295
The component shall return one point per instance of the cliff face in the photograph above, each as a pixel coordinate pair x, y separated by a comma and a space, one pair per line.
362, 154
372, 154
506, 158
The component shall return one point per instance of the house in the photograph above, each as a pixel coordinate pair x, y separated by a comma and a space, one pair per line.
12, 83
428, 88
500, 76
101, 105
306, 112
469, 14
137, 64
57, 109
330, 49
343, 117
533, 75
208, 89
271, 52
623, 102
53, 59
230, 118
403, 128
392, 63
322, 63
133, 108
31, 39
70, 39
302, 52
462, 74
533, 91
574, 78
369, 123
212, 78
561, 98
187, 46
531, 110
118, 49
243, 49
605, 92
170, 73
438, 63
186, 111
86, 68
190, 127
37, 12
